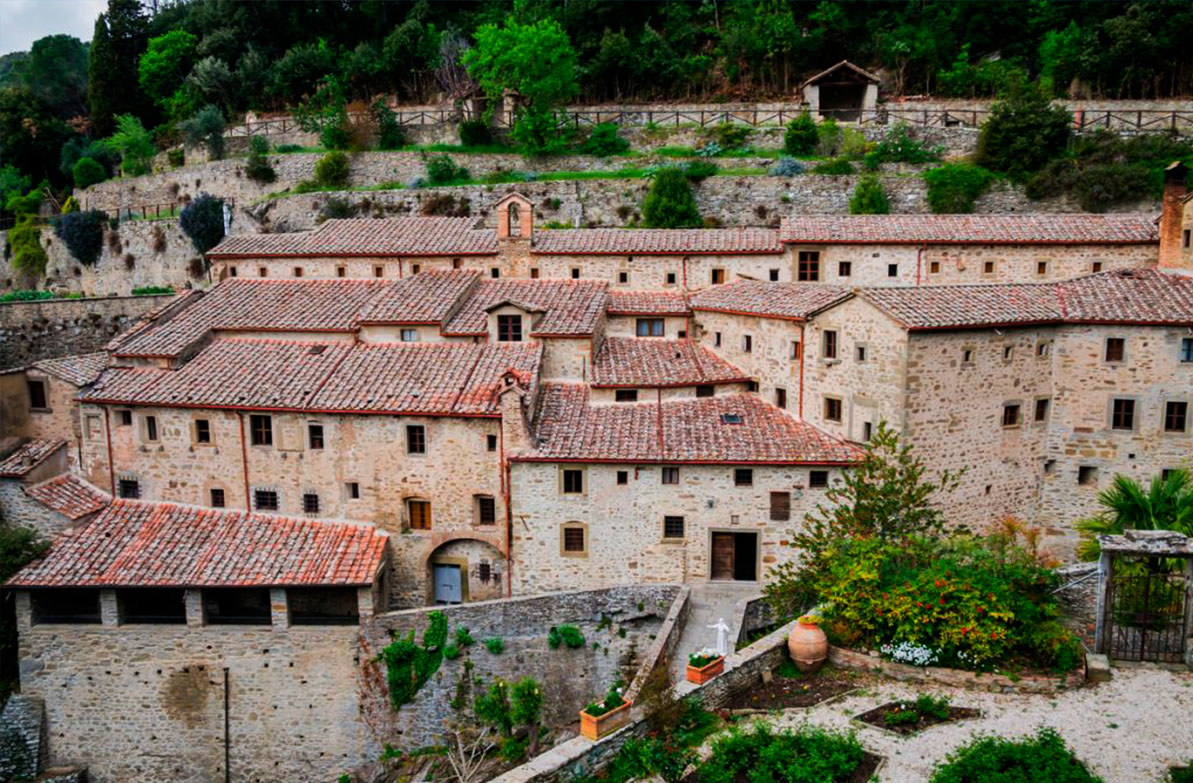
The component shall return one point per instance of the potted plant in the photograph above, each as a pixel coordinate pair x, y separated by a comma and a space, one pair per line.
807, 644
703, 665
600, 719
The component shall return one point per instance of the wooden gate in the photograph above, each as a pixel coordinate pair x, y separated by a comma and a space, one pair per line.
1147, 617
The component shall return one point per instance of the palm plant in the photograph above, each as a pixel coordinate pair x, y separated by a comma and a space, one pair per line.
1166, 504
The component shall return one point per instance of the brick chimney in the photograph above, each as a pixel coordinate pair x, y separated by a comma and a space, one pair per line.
515, 404
1176, 220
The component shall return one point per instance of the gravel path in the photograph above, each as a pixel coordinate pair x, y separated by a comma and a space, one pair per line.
1129, 730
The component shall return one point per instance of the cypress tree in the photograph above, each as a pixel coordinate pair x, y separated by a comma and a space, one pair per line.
670, 203
112, 78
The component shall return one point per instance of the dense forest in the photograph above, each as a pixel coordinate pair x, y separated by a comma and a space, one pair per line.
164, 62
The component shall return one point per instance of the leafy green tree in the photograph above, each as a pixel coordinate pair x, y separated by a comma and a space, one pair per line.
301, 69
112, 78
206, 128
800, 136
1166, 504
669, 203
954, 187
133, 144
1024, 132
28, 256
165, 63
12, 183
30, 135
213, 79
390, 135
326, 113
869, 198
19, 546
257, 167
526, 708
203, 221
1065, 56
536, 61
56, 72
88, 172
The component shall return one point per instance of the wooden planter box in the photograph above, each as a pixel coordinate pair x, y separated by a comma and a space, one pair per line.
707, 672
594, 728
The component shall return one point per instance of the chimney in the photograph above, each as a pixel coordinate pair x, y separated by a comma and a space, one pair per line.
1176, 220
515, 404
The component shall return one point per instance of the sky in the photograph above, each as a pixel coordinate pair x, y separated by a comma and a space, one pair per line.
24, 21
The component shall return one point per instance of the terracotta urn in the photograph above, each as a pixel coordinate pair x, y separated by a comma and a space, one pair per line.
807, 645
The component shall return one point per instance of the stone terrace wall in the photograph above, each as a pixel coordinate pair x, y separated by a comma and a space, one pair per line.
570, 678
31, 331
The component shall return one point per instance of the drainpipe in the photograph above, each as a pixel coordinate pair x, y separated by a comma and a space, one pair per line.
227, 733
803, 349
504, 469
684, 262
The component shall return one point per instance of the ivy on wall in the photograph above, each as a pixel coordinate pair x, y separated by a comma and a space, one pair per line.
409, 665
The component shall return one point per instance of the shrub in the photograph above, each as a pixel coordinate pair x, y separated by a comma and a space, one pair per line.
451, 652
475, 133
1040, 759
670, 203
28, 256
800, 137
83, 234
153, 290
132, 143
828, 138
1181, 774
786, 167
176, 157
206, 128
463, 638
568, 635
869, 198
1096, 187
257, 167
853, 143
88, 172
442, 170
390, 134
835, 167
446, 205
762, 755
731, 135
898, 146
333, 170
26, 296
954, 187
1023, 133
285, 149
203, 221
603, 141
495, 645
337, 209
409, 665
700, 170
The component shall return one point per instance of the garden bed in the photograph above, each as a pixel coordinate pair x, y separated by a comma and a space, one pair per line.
1019, 682
877, 717
791, 689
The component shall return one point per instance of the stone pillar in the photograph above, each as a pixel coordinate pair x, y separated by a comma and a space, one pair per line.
109, 608
1101, 634
194, 608
364, 602
279, 608
24, 611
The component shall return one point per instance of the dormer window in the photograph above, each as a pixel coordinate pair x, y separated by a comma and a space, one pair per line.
509, 328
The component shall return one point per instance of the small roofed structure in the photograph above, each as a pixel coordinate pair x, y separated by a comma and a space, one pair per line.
844, 92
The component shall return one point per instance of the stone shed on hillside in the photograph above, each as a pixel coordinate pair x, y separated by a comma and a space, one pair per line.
843, 92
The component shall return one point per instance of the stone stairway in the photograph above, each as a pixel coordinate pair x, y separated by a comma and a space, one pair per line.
709, 602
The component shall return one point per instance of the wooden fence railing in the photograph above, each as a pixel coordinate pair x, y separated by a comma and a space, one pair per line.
165, 210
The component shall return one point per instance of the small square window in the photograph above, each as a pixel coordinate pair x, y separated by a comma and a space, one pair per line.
534, 273
1042, 406
817, 479
341, 271
743, 477
706, 391
262, 272
420, 514
202, 431
126, 418
670, 475
265, 500
670, 278
573, 540
780, 398
673, 527
217, 498
751, 386
717, 276
844, 269
934, 268
408, 335
1176, 416
833, 409
626, 395
573, 482
892, 270
310, 503
1095, 267
457, 263
1010, 414
486, 510
774, 275
1122, 414
1041, 268
623, 278
494, 273
1116, 349
129, 488
37, 394
491, 442
415, 269
416, 439
988, 268
378, 271
232, 271
1087, 475
808, 266
623, 477
1043, 348
353, 490
298, 271
575, 273
509, 328
315, 436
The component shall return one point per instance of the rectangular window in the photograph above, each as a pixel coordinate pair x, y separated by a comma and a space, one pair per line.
353, 488
934, 268
509, 328
217, 498
262, 272
623, 278
416, 439
315, 436
988, 268
415, 269
1008, 351
494, 273
844, 269
967, 356
486, 510
322, 606
298, 271
860, 351
341, 271
237, 606
626, 395
673, 527
65, 605
408, 335
774, 275
129, 488
1122, 414
1186, 350
808, 269
832, 409
1187, 238
780, 506
650, 327
575, 273
1010, 414
534, 273
718, 276
780, 398
491, 442
1095, 267
202, 431
151, 428
1086, 475
1043, 348
747, 343
420, 514
1042, 409
152, 606
743, 477
1116, 349
670, 475
670, 278
817, 479
310, 503
261, 430
1176, 416
126, 418
37, 394
378, 271
867, 431
706, 391
573, 482
716, 339
573, 540
830, 345
233, 271
265, 499
796, 350
623, 477
1041, 268
892, 270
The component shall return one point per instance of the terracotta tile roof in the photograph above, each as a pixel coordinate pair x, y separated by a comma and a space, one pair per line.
1125, 296
428, 297
356, 237
569, 307
1072, 229
647, 303
28, 456
78, 370
255, 305
790, 301
677, 431
643, 361
254, 374
649, 241
69, 495
141, 544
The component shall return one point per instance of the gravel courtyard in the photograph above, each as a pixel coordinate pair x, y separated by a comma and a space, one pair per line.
1129, 730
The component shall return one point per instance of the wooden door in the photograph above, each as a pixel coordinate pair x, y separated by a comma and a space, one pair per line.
722, 556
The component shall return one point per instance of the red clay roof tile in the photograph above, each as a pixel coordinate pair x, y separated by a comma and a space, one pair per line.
647, 303
356, 237
1075, 229
28, 456
790, 301
650, 362
78, 370
69, 495
656, 241
569, 307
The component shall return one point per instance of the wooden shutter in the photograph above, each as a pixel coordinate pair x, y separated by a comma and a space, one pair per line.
780, 506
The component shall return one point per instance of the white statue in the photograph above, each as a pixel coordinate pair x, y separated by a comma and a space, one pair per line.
722, 636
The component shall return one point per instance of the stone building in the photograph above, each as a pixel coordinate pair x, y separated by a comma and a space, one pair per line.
844, 92
38, 401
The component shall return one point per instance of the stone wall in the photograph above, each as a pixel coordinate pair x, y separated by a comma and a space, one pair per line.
569, 678
47, 329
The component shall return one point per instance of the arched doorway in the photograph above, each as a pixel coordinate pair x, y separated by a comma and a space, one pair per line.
464, 570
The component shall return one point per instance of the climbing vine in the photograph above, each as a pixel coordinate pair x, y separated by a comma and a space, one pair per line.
409, 665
